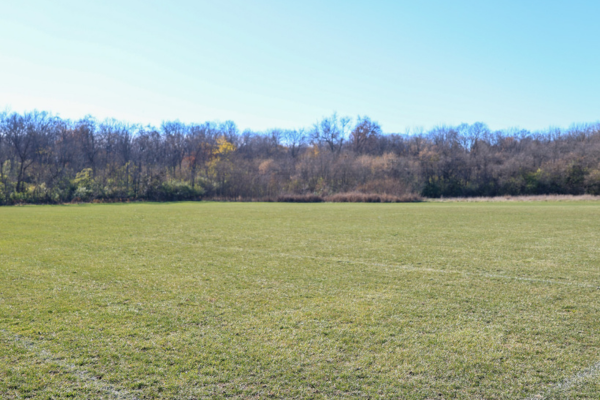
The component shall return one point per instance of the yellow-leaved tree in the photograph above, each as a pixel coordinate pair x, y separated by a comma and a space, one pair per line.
220, 165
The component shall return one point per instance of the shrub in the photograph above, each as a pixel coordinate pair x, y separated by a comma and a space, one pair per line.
176, 191
592, 182
82, 193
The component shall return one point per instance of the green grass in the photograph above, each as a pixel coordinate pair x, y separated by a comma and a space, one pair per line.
215, 300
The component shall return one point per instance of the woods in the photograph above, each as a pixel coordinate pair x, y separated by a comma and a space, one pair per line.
46, 159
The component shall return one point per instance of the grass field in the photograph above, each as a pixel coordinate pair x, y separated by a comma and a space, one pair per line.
255, 300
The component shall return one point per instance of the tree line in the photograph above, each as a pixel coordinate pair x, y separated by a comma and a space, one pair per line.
47, 159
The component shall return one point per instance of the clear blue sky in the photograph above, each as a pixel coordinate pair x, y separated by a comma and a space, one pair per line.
261, 63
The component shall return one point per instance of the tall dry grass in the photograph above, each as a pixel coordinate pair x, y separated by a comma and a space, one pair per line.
358, 197
350, 197
299, 198
543, 197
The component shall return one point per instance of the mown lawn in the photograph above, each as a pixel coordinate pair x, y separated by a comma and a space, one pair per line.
257, 300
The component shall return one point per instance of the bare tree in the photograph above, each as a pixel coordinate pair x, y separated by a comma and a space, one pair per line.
199, 147
364, 136
331, 132
89, 140
23, 133
294, 139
